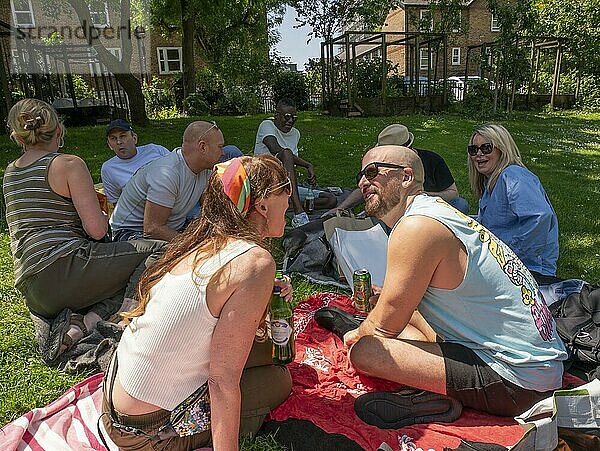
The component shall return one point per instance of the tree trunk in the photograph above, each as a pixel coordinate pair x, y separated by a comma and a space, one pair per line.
188, 27
5, 104
137, 104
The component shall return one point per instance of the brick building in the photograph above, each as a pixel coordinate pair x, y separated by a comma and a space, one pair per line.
476, 25
151, 53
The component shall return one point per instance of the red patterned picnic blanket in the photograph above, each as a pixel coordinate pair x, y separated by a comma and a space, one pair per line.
326, 385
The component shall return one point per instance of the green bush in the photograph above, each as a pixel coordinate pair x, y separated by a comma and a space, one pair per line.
160, 99
292, 85
478, 98
238, 100
589, 92
209, 85
82, 89
195, 105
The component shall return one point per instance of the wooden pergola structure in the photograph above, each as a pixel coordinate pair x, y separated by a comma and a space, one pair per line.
412, 42
537, 46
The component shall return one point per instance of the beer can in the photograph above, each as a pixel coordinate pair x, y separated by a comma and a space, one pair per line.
362, 289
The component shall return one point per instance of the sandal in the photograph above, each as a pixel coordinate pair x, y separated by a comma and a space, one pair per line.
337, 321
58, 337
393, 410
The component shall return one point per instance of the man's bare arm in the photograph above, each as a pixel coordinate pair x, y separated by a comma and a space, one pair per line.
155, 222
272, 144
448, 194
415, 250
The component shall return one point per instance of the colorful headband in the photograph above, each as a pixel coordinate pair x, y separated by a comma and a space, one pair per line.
236, 184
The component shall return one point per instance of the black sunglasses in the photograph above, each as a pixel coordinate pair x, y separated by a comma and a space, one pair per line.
371, 170
486, 149
288, 117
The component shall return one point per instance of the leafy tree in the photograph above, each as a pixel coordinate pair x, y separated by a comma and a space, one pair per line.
511, 61
293, 86
577, 21
327, 18
231, 38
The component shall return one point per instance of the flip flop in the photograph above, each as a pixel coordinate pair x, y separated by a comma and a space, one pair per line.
393, 410
337, 321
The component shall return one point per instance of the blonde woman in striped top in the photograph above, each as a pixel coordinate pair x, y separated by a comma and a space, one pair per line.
55, 225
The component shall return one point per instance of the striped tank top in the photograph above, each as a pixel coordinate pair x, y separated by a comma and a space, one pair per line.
43, 225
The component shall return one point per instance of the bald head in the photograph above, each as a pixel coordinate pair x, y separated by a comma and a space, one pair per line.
196, 130
397, 155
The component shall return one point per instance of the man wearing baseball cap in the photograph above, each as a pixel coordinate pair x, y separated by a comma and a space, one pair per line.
128, 158
438, 179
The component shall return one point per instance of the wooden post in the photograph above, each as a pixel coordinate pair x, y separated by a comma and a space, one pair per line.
332, 71
445, 71
555, 78
531, 65
384, 69
323, 75
417, 68
348, 81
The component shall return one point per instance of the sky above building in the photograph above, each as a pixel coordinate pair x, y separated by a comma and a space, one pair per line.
293, 41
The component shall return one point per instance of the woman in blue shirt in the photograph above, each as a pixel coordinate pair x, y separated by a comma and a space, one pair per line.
512, 202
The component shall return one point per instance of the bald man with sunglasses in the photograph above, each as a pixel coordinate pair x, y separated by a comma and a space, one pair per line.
438, 178
458, 316
279, 137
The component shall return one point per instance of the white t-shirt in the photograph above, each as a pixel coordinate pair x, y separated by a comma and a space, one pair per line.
116, 172
287, 140
167, 182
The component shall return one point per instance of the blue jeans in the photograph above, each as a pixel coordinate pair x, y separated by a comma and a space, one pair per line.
230, 152
461, 204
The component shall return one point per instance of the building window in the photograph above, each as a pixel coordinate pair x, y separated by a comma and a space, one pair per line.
169, 59
98, 68
99, 13
495, 25
22, 13
425, 20
456, 56
424, 60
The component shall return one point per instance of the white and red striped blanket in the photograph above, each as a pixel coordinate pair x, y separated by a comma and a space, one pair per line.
69, 423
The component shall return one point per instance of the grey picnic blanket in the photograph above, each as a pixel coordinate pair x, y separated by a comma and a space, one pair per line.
93, 352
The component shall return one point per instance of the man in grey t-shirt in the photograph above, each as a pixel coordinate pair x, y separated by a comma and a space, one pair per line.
155, 202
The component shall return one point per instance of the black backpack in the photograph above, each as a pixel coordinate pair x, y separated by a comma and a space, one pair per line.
578, 325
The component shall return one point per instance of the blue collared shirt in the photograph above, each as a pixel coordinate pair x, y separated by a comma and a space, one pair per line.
519, 212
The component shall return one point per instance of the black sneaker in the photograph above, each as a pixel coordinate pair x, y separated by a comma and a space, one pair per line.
337, 321
393, 410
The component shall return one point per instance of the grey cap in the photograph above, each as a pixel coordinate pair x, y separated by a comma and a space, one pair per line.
395, 135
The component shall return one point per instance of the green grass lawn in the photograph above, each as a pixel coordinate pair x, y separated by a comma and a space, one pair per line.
563, 149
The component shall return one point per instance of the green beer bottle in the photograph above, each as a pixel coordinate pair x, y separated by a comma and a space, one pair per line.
282, 326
